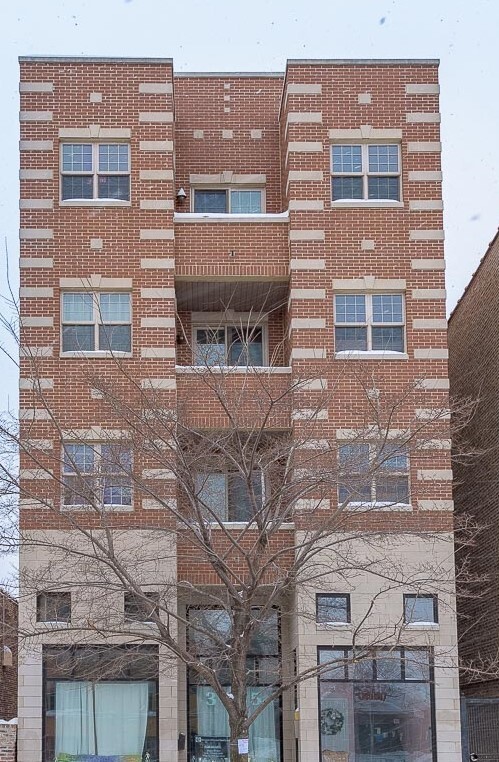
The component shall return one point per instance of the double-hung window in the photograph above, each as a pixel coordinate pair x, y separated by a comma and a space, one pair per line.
373, 473
93, 322
99, 475
369, 322
91, 171
229, 345
226, 496
228, 201
365, 172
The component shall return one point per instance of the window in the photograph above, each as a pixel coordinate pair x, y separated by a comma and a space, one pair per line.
95, 171
332, 609
376, 708
96, 322
420, 609
228, 201
139, 610
53, 607
365, 172
97, 475
225, 496
370, 473
229, 345
369, 322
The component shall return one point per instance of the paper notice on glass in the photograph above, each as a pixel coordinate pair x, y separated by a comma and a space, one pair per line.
242, 745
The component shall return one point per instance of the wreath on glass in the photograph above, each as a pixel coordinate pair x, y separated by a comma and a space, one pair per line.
332, 721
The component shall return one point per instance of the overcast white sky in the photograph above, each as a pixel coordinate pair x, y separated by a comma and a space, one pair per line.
230, 35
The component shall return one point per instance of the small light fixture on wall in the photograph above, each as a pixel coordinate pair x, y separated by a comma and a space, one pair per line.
181, 195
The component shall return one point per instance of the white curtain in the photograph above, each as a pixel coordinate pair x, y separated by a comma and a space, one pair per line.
263, 743
108, 718
213, 720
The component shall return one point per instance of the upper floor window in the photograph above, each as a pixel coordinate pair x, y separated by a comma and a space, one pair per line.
95, 171
226, 496
53, 607
420, 609
228, 201
97, 475
365, 172
229, 345
93, 322
332, 609
369, 322
139, 608
373, 473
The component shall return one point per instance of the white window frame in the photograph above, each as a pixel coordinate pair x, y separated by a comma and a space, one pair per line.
93, 475
373, 452
228, 192
96, 322
226, 473
95, 173
222, 321
365, 174
369, 324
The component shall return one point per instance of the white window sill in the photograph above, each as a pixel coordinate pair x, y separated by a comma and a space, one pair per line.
54, 625
334, 625
98, 354
245, 525
230, 218
94, 202
102, 509
355, 354
358, 203
422, 626
232, 369
379, 507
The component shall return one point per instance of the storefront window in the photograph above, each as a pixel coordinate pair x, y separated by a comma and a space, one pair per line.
376, 708
100, 703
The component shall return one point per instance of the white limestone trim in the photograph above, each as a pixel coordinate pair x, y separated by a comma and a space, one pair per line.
434, 444
156, 174
419, 205
307, 293
305, 353
228, 177
157, 293
36, 174
435, 505
307, 235
156, 145
168, 503
304, 117
158, 473
370, 432
367, 244
36, 203
157, 353
312, 385
155, 88
36, 87
96, 132
31, 384
161, 117
306, 323
157, 322
95, 97
33, 234
41, 262
433, 384
38, 444
232, 370
428, 264
431, 354
165, 234
306, 205
422, 117
426, 235
36, 351
96, 281
96, 433
96, 244
255, 134
31, 503
36, 292
419, 146
308, 88
369, 283
313, 444
364, 99
436, 324
37, 322
311, 504
413, 88
36, 145
305, 146
159, 203
158, 383
309, 414
96, 394
35, 116
429, 293
432, 414
435, 475
305, 175
227, 134
366, 132
425, 176
230, 219
157, 263
35, 473
307, 264
366, 204
34, 414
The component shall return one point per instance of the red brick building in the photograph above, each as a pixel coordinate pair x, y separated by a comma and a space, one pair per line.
158, 212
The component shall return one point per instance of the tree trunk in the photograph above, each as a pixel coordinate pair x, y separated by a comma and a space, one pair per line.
237, 731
